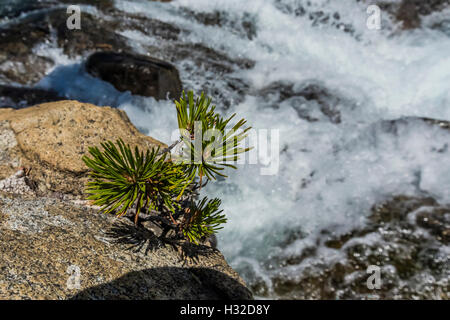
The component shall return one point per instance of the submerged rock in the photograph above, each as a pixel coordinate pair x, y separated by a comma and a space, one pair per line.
404, 234
243, 25
21, 97
28, 43
408, 15
315, 14
96, 34
104, 5
18, 183
312, 101
51, 138
141, 75
18, 63
147, 26
406, 237
410, 12
22, 62
54, 249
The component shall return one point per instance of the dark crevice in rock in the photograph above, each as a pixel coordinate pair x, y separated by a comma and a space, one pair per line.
169, 283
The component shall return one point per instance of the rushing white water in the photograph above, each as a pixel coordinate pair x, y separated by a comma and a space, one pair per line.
331, 172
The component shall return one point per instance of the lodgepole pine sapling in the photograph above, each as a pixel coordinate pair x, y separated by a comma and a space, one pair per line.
162, 186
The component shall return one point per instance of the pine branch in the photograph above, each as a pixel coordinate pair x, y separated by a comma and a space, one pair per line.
161, 188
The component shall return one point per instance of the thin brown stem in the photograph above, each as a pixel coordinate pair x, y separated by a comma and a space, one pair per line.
169, 148
200, 182
136, 216
173, 220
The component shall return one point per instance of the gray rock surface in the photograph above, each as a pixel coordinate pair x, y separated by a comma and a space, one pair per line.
54, 249
51, 138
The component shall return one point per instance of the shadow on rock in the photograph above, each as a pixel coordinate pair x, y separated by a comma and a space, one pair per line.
168, 283
137, 238
142, 238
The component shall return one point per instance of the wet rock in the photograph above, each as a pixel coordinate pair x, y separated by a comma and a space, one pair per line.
53, 249
104, 5
21, 97
312, 101
397, 209
21, 63
244, 25
10, 153
12, 8
147, 26
408, 15
141, 75
96, 34
208, 69
18, 63
207, 59
407, 237
395, 128
25, 59
18, 183
437, 222
316, 16
410, 12
337, 242
100, 33
51, 138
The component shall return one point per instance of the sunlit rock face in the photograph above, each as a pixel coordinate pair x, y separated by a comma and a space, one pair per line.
51, 138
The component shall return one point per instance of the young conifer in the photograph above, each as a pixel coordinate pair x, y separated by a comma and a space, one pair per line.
163, 186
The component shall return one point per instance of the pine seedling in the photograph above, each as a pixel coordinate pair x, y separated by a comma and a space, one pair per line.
216, 147
203, 219
161, 185
123, 179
